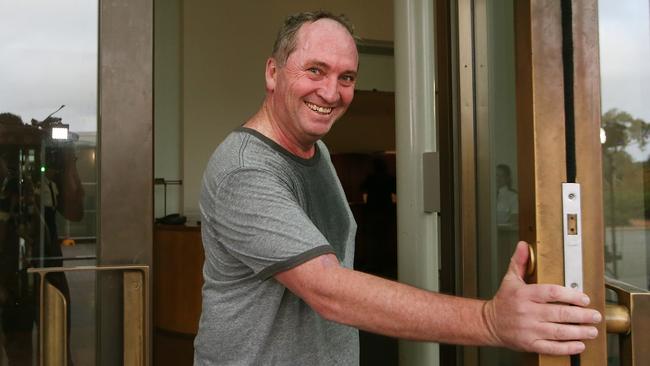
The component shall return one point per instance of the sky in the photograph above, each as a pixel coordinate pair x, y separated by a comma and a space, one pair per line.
48, 58
625, 60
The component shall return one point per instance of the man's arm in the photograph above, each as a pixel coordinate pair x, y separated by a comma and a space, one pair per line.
71, 192
520, 316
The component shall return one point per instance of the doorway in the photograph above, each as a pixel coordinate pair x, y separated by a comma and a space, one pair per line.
207, 84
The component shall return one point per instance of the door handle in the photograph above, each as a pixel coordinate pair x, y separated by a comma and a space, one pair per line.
54, 330
630, 319
53, 314
532, 261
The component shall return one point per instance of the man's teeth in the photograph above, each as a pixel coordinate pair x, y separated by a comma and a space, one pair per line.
319, 109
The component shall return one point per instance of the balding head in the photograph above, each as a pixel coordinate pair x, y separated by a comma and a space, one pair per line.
287, 37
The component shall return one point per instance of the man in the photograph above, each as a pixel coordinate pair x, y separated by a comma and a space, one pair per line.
279, 237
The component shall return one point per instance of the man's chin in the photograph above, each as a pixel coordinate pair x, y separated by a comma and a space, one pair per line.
319, 131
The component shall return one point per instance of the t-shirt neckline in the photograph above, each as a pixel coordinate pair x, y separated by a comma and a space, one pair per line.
279, 148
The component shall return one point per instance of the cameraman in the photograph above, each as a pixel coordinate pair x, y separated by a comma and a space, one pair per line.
59, 190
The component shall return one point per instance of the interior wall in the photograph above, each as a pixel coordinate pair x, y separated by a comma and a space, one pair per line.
167, 103
376, 72
225, 46
367, 127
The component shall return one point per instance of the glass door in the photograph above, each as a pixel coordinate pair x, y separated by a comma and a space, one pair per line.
624, 29
497, 204
531, 119
53, 91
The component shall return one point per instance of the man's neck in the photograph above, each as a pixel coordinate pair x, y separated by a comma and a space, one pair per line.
264, 122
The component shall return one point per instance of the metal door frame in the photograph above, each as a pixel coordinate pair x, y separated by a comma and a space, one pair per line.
125, 163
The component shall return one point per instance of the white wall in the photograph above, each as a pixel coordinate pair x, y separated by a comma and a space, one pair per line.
225, 46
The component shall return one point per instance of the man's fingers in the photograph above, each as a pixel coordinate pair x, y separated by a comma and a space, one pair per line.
557, 313
557, 348
567, 332
519, 260
557, 293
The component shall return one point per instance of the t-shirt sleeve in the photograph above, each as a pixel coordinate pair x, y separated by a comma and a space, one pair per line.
259, 221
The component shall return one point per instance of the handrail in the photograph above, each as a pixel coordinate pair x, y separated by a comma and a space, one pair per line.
630, 319
52, 314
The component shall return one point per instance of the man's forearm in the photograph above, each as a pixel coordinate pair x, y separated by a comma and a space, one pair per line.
541, 318
72, 194
386, 307
394, 309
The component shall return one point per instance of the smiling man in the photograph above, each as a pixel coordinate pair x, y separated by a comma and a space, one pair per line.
279, 238
309, 83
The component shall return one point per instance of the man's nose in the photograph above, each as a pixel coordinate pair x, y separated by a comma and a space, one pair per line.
329, 90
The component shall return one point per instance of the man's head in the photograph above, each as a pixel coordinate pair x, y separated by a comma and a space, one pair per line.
311, 76
504, 177
7, 119
285, 43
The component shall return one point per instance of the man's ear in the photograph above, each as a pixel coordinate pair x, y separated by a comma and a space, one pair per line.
271, 73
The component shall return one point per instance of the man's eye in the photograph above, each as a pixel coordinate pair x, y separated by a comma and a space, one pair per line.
347, 79
314, 70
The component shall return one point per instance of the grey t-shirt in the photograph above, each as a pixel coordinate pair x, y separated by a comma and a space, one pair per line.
265, 210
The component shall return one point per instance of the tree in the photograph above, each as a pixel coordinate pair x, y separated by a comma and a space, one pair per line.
624, 177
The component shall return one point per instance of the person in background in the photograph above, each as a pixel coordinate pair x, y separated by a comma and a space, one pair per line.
507, 198
379, 196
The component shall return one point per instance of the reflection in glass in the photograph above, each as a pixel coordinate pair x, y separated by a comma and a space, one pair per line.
48, 127
498, 201
625, 86
625, 75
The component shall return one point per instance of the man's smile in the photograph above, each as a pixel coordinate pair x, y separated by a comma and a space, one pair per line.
319, 109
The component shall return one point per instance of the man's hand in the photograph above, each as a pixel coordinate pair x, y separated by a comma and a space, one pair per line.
538, 318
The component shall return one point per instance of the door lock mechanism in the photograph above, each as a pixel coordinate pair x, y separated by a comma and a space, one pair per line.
572, 233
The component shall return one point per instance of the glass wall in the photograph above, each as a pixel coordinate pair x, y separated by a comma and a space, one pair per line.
48, 197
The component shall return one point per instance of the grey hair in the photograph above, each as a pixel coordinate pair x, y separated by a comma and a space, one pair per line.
285, 42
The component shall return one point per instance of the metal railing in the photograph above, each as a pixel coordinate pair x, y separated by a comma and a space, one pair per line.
630, 319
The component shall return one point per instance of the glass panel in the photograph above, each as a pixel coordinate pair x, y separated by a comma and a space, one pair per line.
625, 86
48, 176
497, 197
625, 75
